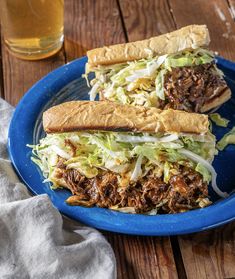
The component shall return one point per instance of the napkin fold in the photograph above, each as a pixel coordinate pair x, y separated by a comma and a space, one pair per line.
35, 241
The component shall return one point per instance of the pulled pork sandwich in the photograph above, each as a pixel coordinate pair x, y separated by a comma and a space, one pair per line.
174, 70
128, 158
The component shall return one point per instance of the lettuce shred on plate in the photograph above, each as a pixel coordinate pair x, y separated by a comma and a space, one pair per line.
228, 138
130, 156
218, 120
142, 82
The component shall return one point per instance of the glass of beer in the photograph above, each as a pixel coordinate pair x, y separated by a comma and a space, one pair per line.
32, 29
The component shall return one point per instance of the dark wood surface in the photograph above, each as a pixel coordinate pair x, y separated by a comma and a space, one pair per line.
90, 24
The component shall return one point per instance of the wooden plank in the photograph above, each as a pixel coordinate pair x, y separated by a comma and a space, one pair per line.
1, 72
143, 257
231, 4
20, 75
144, 19
90, 24
178, 258
210, 254
216, 15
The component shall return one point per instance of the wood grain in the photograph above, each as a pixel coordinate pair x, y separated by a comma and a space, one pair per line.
144, 19
19, 75
231, 4
1, 71
216, 15
210, 254
90, 24
143, 257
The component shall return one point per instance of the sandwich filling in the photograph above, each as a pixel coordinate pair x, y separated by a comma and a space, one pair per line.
130, 172
184, 81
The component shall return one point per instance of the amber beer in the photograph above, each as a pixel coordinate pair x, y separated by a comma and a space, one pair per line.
32, 29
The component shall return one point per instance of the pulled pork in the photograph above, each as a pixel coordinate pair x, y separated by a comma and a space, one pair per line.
183, 192
189, 88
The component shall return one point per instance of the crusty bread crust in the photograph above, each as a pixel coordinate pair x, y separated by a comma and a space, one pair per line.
189, 37
217, 101
110, 116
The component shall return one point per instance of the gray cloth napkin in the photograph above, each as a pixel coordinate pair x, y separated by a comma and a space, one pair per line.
35, 241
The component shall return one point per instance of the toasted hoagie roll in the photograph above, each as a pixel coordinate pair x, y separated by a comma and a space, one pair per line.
82, 115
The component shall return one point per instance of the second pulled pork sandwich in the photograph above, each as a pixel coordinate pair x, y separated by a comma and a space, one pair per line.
174, 70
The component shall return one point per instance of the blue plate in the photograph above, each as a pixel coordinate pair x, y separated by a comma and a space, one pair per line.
65, 84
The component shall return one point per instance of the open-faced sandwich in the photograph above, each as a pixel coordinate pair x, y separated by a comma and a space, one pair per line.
174, 70
128, 158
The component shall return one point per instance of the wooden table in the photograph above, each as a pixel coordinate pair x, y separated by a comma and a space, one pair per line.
89, 24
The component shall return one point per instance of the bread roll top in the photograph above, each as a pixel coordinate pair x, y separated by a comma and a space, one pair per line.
109, 116
189, 37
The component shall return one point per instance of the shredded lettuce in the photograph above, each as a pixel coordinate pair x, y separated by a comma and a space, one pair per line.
204, 172
208, 166
94, 90
141, 82
218, 120
145, 138
206, 147
167, 168
130, 155
227, 139
188, 59
137, 172
159, 83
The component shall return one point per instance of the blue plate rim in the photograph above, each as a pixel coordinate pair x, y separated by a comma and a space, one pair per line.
170, 224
